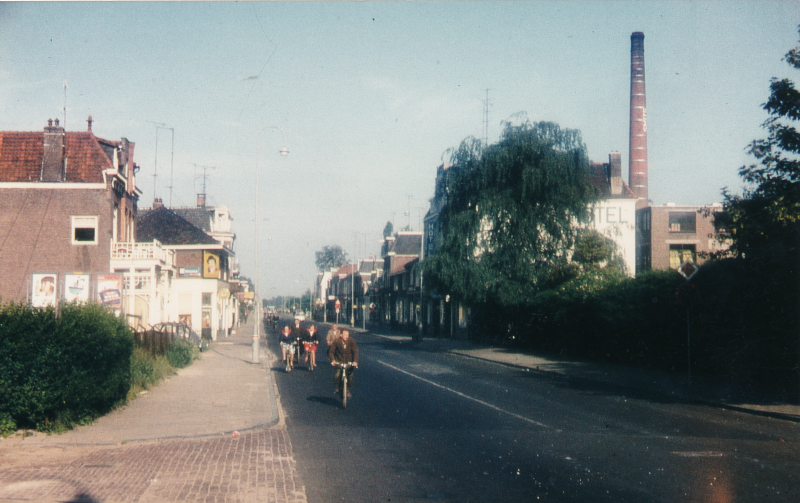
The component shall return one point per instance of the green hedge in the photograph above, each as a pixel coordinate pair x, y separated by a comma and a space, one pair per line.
57, 371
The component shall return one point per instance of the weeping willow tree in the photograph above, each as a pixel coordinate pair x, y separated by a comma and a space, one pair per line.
509, 223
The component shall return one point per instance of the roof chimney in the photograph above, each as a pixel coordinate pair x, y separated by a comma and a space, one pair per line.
89, 121
637, 157
53, 154
201, 200
615, 174
158, 203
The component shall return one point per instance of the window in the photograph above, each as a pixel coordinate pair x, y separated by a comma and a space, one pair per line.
682, 221
678, 254
84, 230
206, 299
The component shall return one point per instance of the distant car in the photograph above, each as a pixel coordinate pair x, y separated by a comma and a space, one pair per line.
300, 316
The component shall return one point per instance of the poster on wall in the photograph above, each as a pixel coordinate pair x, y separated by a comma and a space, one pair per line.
44, 289
210, 265
190, 272
109, 290
76, 287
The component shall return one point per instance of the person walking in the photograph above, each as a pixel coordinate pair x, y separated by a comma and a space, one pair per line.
343, 350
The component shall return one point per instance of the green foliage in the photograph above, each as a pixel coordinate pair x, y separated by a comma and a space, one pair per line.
59, 371
764, 223
7, 426
181, 353
146, 371
330, 257
509, 222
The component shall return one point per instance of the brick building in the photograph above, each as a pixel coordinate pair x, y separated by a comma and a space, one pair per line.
667, 236
64, 198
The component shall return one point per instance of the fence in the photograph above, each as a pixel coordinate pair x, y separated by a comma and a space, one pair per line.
154, 341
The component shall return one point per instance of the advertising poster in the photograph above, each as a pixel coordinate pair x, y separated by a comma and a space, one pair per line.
76, 287
210, 265
109, 290
190, 272
44, 289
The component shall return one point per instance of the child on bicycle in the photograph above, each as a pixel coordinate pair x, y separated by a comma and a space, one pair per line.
287, 341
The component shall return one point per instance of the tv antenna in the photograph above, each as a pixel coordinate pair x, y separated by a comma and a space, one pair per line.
486, 120
205, 176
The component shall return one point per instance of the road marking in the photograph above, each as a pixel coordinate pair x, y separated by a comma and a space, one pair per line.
463, 395
699, 454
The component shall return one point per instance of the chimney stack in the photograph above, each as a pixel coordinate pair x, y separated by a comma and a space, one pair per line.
615, 173
158, 203
637, 157
53, 154
201, 200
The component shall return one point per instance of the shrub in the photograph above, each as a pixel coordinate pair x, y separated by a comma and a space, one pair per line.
59, 371
181, 353
146, 371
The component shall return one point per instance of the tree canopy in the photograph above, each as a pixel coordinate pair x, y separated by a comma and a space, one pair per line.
509, 223
764, 222
330, 257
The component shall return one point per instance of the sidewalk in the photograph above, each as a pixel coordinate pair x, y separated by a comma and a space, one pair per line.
671, 385
210, 432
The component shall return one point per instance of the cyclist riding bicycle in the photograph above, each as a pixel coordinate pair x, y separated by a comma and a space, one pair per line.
310, 346
288, 342
343, 350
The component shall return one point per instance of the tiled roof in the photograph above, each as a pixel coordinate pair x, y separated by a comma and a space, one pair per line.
21, 156
199, 217
398, 264
600, 179
346, 270
169, 228
407, 244
370, 265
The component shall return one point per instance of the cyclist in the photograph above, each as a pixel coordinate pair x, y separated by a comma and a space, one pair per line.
333, 334
310, 346
343, 350
288, 342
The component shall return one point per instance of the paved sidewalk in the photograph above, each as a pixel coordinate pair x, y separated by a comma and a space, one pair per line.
674, 385
210, 433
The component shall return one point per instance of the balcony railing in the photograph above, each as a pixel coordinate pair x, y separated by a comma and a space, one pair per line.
135, 251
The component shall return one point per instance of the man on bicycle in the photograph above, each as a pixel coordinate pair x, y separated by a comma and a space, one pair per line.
288, 342
343, 350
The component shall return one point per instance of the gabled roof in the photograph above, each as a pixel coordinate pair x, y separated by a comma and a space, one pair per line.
346, 270
21, 154
367, 266
170, 228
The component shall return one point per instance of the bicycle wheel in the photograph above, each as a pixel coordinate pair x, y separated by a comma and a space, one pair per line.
344, 388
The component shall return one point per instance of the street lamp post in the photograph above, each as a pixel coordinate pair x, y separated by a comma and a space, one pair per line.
284, 152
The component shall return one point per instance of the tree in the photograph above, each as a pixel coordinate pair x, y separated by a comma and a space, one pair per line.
764, 222
330, 257
509, 222
388, 229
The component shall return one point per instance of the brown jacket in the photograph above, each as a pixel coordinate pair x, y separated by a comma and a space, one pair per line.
343, 352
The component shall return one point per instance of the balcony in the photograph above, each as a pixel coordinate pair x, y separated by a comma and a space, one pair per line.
142, 251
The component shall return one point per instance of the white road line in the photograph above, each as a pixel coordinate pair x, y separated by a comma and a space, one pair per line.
463, 395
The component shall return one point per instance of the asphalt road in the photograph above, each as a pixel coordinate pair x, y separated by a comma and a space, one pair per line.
427, 426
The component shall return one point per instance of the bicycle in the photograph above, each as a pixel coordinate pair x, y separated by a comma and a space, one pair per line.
290, 356
343, 383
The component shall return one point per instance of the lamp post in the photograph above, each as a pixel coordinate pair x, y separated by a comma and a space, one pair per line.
284, 152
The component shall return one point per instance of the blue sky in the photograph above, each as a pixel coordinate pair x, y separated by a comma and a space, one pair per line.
370, 95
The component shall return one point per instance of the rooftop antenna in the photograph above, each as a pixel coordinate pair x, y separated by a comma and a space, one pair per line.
155, 162
65, 106
408, 212
486, 120
171, 160
205, 176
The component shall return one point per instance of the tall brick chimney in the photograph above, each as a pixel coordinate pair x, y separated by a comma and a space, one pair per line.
53, 156
637, 156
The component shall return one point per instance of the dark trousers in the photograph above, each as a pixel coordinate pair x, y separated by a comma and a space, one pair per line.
337, 377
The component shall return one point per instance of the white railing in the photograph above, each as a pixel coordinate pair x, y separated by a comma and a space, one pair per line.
133, 251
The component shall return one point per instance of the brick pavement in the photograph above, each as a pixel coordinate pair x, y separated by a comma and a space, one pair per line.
174, 444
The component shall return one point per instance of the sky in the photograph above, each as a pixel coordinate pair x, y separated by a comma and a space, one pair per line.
369, 96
